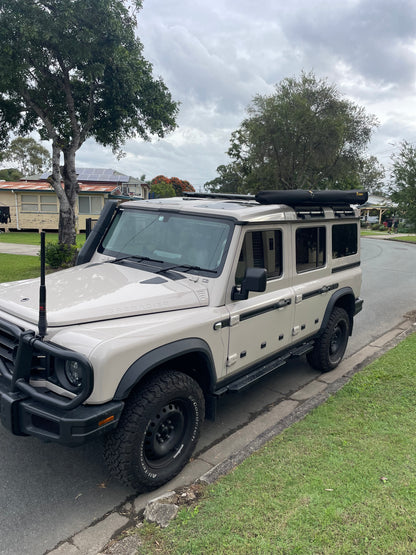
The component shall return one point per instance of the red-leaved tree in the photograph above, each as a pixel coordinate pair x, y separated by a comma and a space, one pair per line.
181, 186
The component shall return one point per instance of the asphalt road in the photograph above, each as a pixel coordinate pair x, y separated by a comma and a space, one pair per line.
49, 492
388, 289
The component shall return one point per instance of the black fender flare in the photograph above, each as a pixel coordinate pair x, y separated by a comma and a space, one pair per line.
161, 355
345, 298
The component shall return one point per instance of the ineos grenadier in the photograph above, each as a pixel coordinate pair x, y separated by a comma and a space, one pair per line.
173, 303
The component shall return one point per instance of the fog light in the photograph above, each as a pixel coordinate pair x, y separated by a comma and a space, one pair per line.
74, 373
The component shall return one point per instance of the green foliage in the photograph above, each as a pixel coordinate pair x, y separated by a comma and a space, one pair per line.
371, 174
73, 70
10, 174
232, 179
404, 182
60, 255
179, 186
305, 135
163, 190
29, 156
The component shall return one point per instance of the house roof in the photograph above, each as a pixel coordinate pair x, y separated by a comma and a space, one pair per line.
375, 201
95, 175
45, 186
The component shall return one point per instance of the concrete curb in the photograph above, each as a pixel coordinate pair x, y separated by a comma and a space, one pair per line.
225, 455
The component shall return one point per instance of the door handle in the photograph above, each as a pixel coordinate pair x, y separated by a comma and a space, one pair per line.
327, 288
283, 302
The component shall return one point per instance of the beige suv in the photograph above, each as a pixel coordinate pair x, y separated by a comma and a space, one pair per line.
172, 303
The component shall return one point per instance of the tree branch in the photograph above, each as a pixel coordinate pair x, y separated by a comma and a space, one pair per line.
40, 113
90, 116
70, 103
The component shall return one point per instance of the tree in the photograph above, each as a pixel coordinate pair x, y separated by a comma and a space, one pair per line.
404, 181
162, 189
10, 174
160, 179
73, 69
231, 179
179, 185
371, 175
302, 136
29, 156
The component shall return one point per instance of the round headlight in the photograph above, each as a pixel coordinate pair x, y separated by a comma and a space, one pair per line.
74, 373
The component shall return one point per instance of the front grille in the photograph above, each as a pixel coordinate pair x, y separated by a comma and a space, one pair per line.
8, 348
25, 360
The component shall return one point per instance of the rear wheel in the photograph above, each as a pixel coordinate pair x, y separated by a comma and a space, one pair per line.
158, 431
330, 346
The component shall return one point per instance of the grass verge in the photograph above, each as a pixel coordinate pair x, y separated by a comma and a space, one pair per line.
33, 238
343, 480
14, 267
370, 232
407, 239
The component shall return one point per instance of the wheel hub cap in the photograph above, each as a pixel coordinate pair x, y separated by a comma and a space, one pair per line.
164, 432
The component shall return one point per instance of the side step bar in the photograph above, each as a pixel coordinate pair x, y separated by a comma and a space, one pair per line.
260, 371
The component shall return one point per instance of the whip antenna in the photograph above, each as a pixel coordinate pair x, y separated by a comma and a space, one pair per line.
42, 325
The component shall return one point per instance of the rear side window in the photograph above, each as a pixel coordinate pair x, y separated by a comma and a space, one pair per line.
310, 248
261, 249
344, 240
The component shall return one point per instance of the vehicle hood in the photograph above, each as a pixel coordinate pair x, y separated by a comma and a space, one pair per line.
94, 292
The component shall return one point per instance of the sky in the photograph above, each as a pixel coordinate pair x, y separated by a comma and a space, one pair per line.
216, 55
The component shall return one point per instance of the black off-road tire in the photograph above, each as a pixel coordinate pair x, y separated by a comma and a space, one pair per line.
330, 346
157, 432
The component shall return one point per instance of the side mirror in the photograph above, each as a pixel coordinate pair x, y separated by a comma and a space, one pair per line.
255, 279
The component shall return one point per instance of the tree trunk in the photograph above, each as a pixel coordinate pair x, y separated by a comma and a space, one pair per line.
67, 195
67, 232
67, 221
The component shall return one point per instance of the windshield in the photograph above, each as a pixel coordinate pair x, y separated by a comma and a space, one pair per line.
179, 239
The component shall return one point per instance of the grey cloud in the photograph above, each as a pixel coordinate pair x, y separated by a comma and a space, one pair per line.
372, 36
215, 56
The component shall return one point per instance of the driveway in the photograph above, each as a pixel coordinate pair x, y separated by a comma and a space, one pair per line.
16, 248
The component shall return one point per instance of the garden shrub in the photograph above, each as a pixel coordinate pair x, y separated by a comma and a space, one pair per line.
59, 255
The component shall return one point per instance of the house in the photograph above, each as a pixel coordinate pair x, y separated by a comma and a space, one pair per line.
377, 205
32, 204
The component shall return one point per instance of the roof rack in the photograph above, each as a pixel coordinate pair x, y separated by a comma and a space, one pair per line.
295, 197
343, 211
301, 197
224, 196
309, 212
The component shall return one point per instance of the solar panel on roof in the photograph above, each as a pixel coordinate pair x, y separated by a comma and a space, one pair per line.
96, 174
101, 174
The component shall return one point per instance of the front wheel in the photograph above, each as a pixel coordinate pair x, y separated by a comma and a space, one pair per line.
157, 432
330, 346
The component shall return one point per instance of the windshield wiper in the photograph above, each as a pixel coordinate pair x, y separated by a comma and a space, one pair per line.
134, 259
187, 268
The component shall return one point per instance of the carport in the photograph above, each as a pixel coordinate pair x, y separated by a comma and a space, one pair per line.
374, 202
